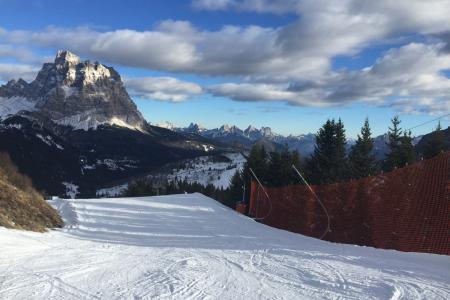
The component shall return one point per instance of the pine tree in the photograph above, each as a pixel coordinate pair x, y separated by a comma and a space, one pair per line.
436, 143
362, 161
341, 162
407, 152
140, 187
393, 158
328, 162
275, 170
320, 161
295, 161
280, 172
258, 162
236, 188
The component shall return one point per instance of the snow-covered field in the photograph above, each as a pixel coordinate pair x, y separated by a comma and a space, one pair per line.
114, 191
205, 170
191, 247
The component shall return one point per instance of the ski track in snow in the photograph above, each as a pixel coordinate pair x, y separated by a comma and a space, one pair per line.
191, 247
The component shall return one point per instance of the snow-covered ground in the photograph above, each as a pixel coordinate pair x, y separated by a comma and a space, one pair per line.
205, 170
191, 247
12, 105
114, 191
71, 189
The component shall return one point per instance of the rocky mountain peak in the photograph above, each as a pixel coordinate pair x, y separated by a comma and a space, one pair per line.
20, 83
80, 94
167, 125
66, 57
227, 129
266, 131
195, 128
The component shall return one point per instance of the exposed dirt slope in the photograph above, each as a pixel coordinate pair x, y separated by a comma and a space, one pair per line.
21, 206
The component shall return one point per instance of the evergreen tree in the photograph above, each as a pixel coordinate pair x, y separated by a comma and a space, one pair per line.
258, 162
407, 152
341, 163
140, 187
436, 143
275, 174
280, 172
401, 148
362, 161
295, 161
328, 163
320, 162
236, 189
393, 158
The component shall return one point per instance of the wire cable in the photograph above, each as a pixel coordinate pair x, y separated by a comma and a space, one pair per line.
318, 200
267, 195
427, 122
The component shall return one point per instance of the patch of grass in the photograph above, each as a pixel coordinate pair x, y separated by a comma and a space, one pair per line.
21, 206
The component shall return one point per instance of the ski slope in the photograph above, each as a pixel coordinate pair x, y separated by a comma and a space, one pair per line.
191, 247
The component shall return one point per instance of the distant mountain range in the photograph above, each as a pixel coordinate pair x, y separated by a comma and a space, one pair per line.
245, 138
303, 143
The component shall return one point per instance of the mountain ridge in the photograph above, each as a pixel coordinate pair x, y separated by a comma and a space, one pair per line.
303, 143
75, 93
232, 134
75, 127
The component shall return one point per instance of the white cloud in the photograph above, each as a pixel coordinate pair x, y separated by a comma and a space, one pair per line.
162, 88
16, 71
251, 92
211, 4
173, 46
412, 73
263, 92
20, 54
302, 49
291, 63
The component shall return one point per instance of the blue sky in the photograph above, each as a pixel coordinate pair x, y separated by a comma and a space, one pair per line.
286, 64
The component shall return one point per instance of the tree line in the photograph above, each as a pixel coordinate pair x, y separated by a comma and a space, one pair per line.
147, 187
332, 161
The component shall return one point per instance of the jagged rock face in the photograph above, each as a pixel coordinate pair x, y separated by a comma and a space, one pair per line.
15, 88
230, 130
81, 94
195, 128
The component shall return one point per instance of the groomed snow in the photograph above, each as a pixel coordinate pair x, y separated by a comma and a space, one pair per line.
191, 247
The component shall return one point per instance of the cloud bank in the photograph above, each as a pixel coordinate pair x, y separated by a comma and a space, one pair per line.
292, 63
162, 88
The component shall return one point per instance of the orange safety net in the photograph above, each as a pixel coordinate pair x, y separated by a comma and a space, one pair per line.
407, 209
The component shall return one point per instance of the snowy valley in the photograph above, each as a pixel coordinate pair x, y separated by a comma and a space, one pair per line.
216, 170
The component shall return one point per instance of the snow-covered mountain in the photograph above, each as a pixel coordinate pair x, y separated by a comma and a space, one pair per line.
75, 128
72, 92
381, 147
304, 143
166, 125
192, 128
